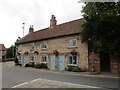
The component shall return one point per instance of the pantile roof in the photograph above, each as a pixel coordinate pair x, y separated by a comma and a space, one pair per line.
2, 47
68, 28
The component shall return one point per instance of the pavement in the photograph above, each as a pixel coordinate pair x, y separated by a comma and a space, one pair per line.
45, 83
90, 74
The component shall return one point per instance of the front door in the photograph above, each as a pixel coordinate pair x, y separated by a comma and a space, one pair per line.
105, 62
52, 62
61, 62
23, 60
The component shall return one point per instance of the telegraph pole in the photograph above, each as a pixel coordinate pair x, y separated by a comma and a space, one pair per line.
23, 28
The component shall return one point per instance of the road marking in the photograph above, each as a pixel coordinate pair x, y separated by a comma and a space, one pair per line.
20, 84
86, 86
69, 83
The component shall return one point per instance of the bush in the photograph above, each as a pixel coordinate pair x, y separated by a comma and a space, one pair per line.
38, 66
41, 66
76, 69
44, 66
3, 57
84, 70
16, 61
32, 64
70, 69
27, 65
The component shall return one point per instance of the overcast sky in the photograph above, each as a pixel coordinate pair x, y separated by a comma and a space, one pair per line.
33, 12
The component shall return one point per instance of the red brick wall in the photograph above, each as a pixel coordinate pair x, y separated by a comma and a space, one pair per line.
115, 65
94, 62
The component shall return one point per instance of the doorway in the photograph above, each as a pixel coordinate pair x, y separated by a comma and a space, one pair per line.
105, 62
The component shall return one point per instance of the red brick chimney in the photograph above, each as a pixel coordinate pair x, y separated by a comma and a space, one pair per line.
53, 21
31, 29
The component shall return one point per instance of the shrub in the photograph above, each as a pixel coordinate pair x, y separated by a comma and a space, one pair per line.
44, 66
41, 66
27, 65
38, 66
70, 69
84, 70
32, 64
16, 61
76, 69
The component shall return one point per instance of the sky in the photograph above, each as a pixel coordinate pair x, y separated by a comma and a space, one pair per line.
13, 13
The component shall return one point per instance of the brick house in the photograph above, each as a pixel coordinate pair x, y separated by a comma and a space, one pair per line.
58, 46
2, 51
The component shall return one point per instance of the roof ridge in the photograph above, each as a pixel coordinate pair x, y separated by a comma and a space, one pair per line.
67, 28
59, 24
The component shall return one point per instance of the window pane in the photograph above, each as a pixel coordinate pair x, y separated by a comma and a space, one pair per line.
70, 42
32, 58
74, 59
44, 45
32, 46
70, 59
44, 58
74, 42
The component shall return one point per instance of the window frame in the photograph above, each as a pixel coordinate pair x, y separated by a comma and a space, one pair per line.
33, 58
70, 43
43, 61
20, 48
44, 43
32, 46
72, 60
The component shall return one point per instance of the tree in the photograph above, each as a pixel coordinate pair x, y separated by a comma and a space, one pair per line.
10, 53
102, 26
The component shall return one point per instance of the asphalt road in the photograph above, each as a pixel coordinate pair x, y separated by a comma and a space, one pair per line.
12, 76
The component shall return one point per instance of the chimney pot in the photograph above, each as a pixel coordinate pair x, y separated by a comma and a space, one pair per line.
31, 29
53, 21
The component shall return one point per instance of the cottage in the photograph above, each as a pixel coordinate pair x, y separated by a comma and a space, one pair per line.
58, 46
2, 51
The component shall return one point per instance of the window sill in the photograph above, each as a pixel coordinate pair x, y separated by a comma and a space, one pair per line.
31, 61
44, 62
32, 50
72, 65
44, 49
72, 47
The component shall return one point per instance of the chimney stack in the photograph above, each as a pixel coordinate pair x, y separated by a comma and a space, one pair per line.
31, 29
53, 21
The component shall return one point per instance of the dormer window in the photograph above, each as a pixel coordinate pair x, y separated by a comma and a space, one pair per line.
32, 46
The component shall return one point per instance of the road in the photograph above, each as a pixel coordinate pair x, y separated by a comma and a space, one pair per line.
12, 76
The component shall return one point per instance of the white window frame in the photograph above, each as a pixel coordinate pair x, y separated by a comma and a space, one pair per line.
32, 46
72, 60
32, 55
43, 45
43, 56
20, 48
71, 43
